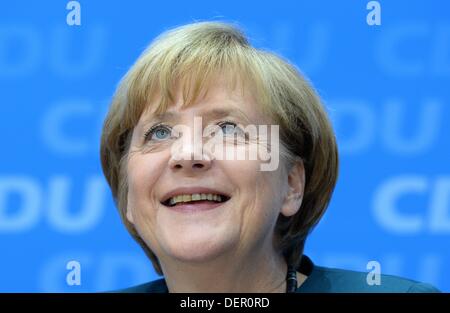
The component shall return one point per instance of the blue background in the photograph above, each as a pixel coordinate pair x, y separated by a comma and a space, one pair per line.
386, 88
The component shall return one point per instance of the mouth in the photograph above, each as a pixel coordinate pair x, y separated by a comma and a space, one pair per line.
202, 199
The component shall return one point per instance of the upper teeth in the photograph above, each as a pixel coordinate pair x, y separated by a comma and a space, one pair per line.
195, 197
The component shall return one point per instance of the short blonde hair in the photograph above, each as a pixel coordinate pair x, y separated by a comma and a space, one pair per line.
192, 55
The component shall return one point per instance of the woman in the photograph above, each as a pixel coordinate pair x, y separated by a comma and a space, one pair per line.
209, 218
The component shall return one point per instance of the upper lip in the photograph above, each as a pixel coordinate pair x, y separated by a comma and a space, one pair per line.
191, 190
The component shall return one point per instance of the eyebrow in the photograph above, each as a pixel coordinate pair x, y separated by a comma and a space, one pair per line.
212, 114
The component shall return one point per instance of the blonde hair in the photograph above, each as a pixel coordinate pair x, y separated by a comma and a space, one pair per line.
193, 55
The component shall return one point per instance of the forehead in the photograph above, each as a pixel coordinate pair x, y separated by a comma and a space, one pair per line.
218, 99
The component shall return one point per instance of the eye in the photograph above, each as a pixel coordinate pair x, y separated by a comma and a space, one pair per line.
158, 132
228, 128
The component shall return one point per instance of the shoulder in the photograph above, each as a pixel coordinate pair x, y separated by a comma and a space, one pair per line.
323, 279
156, 286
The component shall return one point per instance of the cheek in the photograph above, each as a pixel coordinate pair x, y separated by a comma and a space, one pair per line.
259, 191
143, 172
259, 201
247, 176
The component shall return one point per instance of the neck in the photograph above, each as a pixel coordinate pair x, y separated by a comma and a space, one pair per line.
255, 271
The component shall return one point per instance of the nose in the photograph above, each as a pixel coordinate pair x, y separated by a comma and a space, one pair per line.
190, 161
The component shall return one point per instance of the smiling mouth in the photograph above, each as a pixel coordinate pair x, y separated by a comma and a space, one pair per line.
197, 198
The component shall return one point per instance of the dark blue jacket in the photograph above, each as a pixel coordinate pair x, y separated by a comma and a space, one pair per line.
322, 279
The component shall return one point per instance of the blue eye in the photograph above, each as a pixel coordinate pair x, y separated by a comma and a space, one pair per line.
158, 132
233, 130
228, 128
161, 133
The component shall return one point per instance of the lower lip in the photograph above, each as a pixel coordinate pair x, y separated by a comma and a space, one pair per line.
196, 207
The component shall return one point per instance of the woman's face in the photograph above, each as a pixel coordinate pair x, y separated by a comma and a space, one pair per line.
255, 198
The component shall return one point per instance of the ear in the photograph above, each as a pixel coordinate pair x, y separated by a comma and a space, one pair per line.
296, 187
129, 216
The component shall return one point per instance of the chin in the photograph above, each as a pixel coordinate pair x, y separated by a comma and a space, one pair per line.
197, 248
